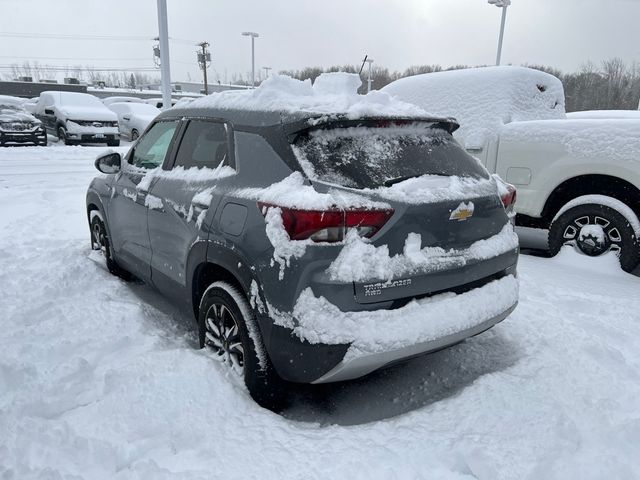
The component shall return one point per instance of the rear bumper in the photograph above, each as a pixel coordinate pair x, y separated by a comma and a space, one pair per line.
319, 343
360, 366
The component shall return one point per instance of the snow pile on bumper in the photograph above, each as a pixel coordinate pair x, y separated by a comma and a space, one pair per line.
420, 321
359, 260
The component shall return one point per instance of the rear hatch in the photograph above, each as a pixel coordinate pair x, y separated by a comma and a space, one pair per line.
440, 196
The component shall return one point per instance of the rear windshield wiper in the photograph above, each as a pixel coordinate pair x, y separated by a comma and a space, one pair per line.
393, 181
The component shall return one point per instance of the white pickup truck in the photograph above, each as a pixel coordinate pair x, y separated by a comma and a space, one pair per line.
579, 178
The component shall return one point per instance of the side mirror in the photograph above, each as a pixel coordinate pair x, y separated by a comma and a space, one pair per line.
108, 163
126, 118
48, 111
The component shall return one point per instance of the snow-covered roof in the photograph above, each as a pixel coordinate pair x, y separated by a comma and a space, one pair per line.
484, 99
331, 93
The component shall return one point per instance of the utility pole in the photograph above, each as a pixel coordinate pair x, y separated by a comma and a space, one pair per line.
253, 36
266, 71
204, 59
165, 73
369, 61
503, 4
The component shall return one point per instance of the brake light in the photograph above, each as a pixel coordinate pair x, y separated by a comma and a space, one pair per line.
329, 225
509, 198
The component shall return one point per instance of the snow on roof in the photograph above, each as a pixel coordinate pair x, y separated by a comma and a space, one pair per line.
484, 99
9, 100
332, 93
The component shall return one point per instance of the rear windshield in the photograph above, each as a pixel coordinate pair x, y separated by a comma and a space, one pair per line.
370, 157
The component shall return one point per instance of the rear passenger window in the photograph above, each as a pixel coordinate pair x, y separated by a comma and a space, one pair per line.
204, 144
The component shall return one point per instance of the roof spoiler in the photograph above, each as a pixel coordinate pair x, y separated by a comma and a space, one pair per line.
295, 129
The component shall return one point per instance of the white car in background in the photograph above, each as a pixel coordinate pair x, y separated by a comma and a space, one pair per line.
157, 102
109, 100
133, 118
77, 118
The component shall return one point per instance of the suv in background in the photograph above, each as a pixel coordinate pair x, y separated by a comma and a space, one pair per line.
300, 268
77, 118
17, 126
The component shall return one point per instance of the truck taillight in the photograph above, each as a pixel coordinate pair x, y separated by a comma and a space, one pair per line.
329, 225
509, 198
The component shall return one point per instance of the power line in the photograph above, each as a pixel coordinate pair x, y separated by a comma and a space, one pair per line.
84, 68
28, 58
125, 38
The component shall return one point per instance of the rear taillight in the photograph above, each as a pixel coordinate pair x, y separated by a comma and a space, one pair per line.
329, 225
509, 198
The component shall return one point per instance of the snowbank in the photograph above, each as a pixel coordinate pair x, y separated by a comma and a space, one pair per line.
318, 321
484, 99
332, 93
604, 139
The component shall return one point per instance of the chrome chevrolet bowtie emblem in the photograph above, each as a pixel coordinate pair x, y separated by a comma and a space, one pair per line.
464, 211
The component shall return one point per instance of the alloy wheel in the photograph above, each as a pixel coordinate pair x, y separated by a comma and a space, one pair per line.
593, 235
223, 337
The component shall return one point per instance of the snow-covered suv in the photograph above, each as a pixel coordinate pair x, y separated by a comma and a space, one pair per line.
77, 118
315, 235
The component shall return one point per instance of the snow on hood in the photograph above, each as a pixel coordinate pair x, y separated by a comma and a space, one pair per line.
89, 113
484, 99
10, 115
332, 93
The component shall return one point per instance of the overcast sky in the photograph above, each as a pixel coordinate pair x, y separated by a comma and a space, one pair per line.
299, 33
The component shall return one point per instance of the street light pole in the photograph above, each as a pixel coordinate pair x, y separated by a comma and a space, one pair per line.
501, 4
253, 36
369, 61
165, 72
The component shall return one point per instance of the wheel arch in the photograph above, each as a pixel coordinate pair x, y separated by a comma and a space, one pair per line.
590, 184
218, 264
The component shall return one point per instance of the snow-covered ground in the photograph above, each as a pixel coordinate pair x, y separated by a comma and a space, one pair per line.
99, 379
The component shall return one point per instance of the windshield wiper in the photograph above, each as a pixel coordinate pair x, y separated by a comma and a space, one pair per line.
393, 181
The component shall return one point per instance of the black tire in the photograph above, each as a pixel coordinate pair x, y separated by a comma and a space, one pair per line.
263, 383
134, 135
619, 234
62, 136
100, 241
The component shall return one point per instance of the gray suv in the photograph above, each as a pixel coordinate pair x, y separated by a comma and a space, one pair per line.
303, 244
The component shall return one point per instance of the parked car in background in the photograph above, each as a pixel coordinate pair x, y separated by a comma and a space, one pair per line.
109, 100
30, 104
158, 103
577, 175
77, 118
18, 126
310, 247
133, 118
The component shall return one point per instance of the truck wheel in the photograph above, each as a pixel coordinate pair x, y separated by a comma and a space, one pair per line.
222, 326
595, 228
134, 135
